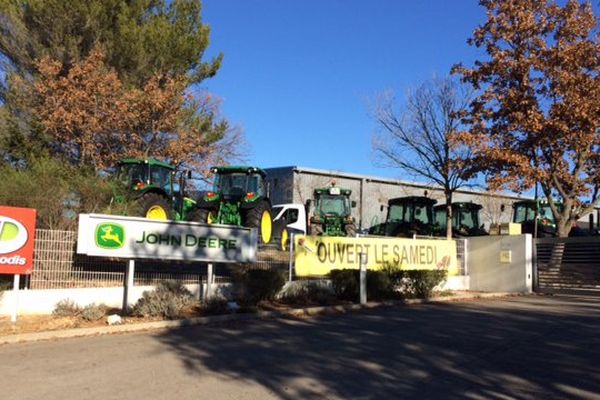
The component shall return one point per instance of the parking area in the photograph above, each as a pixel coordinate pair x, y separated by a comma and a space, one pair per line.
517, 347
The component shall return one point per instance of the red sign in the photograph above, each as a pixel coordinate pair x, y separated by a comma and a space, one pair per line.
17, 231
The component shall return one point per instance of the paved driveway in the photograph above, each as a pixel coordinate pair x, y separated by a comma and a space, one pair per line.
522, 347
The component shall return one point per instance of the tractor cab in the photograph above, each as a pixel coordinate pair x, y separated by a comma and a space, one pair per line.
525, 212
465, 219
332, 215
408, 216
157, 187
239, 197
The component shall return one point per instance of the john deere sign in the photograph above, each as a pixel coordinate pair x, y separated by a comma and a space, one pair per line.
128, 237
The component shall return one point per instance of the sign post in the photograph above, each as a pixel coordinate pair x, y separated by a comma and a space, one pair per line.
128, 284
363, 278
17, 235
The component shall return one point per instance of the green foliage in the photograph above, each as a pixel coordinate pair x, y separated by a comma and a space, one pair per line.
260, 284
66, 308
57, 191
215, 306
93, 312
169, 300
388, 283
420, 283
345, 283
141, 37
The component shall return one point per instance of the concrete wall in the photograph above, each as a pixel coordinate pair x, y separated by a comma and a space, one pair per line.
500, 263
44, 301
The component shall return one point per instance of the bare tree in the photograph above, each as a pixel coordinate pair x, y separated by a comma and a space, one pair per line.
416, 136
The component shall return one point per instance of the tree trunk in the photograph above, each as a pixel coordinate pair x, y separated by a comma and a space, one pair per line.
449, 215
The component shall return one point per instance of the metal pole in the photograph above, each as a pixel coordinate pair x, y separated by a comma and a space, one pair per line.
16, 282
363, 278
291, 260
128, 284
209, 281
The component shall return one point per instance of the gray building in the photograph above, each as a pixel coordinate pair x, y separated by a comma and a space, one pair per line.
296, 184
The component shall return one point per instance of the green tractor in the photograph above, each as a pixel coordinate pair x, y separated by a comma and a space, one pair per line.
465, 219
332, 215
158, 188
528, 212
239, 197
406, 217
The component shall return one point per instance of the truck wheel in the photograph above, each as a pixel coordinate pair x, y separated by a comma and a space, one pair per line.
155, 206
316, 229
203, 216
260, 217
350, 230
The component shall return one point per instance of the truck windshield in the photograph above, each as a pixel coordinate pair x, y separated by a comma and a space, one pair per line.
233, 184
333, 205
465, 218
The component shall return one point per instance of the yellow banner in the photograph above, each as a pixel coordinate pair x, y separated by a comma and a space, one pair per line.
317, 255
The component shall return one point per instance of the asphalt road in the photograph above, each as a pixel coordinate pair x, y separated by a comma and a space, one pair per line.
523, 347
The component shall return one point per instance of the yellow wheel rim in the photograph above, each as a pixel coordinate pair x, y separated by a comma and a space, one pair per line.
211, 217
157, 212
266, 226
284, 239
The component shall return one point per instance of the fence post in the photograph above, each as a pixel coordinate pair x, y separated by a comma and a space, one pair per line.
363, 278
291, 262
209, 280
16, 283
128, 284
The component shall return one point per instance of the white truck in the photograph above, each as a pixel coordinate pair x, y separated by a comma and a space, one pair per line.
287, 219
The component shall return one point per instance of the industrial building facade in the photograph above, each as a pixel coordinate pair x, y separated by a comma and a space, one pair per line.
296, 184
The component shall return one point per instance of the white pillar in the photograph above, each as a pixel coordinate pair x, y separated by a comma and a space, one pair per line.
16, 282
128, 284
363, 278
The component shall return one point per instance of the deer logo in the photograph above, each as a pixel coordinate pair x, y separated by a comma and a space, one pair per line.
110, 236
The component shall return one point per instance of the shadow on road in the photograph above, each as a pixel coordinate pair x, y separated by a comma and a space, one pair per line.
529, 347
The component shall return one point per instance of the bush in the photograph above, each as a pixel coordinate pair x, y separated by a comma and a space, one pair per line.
420, 283
379, 286
345, 283
66, 308
260, 284
215, 306
93, 312
308, 293
169, 300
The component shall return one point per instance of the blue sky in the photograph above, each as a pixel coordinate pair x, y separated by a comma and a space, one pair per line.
297, 75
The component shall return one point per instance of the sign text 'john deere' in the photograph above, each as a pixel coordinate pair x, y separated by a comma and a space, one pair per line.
128, 237
319, 255
17, 230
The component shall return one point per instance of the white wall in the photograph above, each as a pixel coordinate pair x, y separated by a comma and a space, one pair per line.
490, 273
44, 301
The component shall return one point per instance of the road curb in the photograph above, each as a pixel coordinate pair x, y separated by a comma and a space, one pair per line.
296, 312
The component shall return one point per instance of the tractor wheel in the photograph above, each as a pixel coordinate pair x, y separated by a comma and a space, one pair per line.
316, 229
260, 217
203, 216
155, 206
350, 230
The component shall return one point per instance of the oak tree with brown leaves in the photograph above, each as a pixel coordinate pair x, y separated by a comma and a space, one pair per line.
94, 120
537, 116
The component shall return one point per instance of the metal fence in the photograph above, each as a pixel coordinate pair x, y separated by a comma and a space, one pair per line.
58, 266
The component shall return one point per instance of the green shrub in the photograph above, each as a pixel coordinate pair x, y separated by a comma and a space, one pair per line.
420, 283
260, 284
169, 300
66, 308
379, 286
93, 312
345, 283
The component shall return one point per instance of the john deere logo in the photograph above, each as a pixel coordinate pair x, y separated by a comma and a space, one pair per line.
110, 236
13, 235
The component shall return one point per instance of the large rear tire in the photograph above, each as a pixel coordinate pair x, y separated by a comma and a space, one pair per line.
260, 217
316, 229
155, 206
350, 230
204, 216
